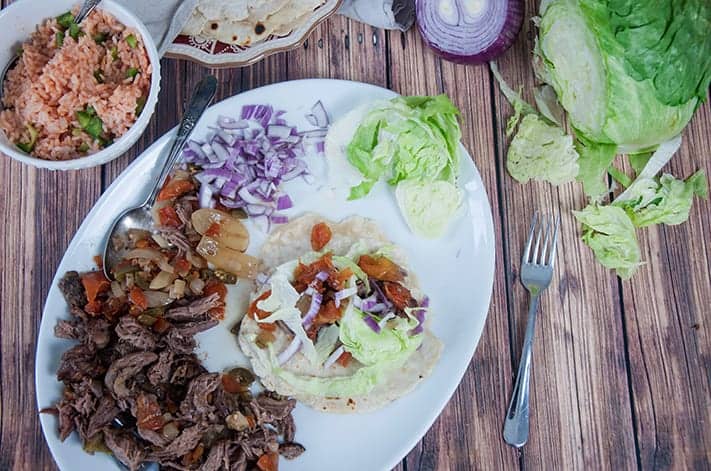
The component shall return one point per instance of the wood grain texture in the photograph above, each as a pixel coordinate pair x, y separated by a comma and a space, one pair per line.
622, 375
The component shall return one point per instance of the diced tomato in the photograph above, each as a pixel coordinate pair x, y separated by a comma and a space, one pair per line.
160, 325
214, 286
337, 279
320, 236
344, 359
175, 188
168, 217
231, 385
254, 312
99, 262
268, 462
380, 268
194, 456
329, 313
137, 298
148, 413
94, 307
143, 243
182, 266
399, 295
305, 274
250, 421
94, 284
213, 230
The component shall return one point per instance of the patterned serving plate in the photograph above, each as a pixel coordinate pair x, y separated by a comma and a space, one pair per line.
216, 54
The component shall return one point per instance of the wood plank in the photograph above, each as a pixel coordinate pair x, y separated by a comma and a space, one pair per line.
467, 434
580, 393
668, 333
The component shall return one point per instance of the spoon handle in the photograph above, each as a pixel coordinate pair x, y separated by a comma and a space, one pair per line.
202, 96
86, 8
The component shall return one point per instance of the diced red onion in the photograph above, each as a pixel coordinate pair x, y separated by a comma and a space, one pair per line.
357, 302
417, 330
284, 202
322, 276
333, 357
343, 294
469, 32
385, 319
289, 351
316, 299
372, 323
205, 195
245, 160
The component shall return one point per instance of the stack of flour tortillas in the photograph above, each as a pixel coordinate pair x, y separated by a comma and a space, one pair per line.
246, 22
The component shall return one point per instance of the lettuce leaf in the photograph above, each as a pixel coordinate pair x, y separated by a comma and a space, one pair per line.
540, 151
666, 201
609, 232
428, 207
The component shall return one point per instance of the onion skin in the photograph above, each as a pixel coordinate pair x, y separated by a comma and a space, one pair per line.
445, 40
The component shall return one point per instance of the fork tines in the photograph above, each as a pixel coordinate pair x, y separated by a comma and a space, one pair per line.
542, 226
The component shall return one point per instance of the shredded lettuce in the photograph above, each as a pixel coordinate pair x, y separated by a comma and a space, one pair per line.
609, 232
370, 347
595, 160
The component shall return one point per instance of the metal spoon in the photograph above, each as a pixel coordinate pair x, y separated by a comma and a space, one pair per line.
86, 8
140, 217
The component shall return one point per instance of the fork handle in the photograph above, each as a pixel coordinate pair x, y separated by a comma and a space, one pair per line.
516, 423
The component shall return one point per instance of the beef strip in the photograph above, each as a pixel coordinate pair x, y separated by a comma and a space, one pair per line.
184, 443
192, 328
105, 413
176, 238
98, 332
65, 415
179, 342
71, 287
277, 406
160, 371
79, 362
291, 450
197, 399
215, 458
187, 368
125, 448
70, 330
154, 438
195, 309
124, 368
132, 332
256, 443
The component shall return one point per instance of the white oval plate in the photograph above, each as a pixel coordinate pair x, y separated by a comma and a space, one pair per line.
456, 272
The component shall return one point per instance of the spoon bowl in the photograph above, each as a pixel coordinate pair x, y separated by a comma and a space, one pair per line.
141, 217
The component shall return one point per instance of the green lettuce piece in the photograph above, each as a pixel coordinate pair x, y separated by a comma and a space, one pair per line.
609, 232
392, 343
412, 138
428, 207
595, 160
521, 107
411, 141
540, 151
667, 201
629, 73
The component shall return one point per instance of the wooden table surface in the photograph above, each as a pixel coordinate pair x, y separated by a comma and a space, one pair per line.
622, 373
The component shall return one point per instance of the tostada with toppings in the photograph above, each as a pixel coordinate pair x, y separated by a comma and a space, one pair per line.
338, 322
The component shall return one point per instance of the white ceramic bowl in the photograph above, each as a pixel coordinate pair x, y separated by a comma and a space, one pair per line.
19, 20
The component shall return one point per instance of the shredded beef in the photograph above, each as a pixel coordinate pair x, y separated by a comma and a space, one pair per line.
291, 450
125, 448
131, 332
195, 309
72, 289
144, 394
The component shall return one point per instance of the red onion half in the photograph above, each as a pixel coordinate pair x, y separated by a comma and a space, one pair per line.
469, 31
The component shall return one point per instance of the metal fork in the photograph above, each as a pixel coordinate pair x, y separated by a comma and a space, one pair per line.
536, 274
